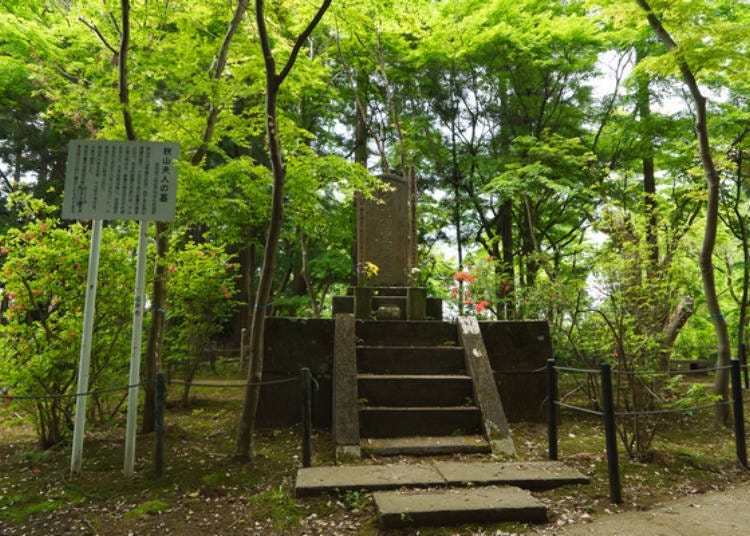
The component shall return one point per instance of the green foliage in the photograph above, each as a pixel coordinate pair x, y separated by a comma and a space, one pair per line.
44, 278
200, 283
149, 507
279, 507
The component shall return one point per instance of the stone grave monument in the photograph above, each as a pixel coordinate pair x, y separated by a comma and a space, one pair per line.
387, 238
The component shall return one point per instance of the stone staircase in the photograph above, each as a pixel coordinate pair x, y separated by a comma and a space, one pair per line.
414, 388
425, 388
414, 394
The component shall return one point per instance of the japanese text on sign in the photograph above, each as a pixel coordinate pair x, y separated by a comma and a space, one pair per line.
121, 180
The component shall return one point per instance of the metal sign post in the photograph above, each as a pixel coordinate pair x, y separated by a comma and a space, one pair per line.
86, 337
127, 180
135, 350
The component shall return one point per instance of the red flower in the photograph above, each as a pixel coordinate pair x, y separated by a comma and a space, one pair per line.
464, 276
4, 251
469, 301
482, 305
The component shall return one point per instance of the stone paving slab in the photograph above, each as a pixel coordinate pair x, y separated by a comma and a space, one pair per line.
454, 506
530, 475
312, 480
527, 475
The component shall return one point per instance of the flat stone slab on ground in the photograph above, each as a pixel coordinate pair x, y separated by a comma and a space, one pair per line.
530, 475
457, 505
312, 480
527, 475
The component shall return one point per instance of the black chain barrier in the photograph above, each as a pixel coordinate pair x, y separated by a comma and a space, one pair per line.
608, 413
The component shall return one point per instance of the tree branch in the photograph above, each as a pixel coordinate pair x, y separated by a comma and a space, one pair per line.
216, 73
94, 28
123, 68
300, 42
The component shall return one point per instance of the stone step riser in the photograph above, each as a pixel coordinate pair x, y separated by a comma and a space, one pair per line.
453, 507
404, 360
413, 421
415, 391
415, 333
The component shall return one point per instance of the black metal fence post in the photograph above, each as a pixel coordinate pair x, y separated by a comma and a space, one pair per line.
739, 413
305, 394
160, 389
552, 409
610, 432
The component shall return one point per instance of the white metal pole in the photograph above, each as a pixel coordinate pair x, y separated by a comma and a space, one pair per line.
135, 349
86, 337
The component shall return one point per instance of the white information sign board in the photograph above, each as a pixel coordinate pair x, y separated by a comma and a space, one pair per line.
121, 180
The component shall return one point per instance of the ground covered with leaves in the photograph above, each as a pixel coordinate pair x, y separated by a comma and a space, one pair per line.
204, 492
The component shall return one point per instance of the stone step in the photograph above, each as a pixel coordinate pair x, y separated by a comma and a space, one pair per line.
381, 291
410, 359
456, 506
414, 390
382, 421
425, 445
411, 333
528, 475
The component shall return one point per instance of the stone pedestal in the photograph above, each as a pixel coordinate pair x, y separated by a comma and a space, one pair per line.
416, 303
363, 302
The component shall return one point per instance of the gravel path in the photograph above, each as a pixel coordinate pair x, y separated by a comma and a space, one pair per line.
725, 513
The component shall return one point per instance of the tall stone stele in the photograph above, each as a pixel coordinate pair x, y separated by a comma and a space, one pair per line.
387, 231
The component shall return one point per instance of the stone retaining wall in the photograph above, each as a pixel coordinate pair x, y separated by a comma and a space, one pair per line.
516, 350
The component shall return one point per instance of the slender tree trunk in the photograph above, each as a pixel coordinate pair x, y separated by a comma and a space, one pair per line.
723, 350
509, 274
306, 276
153, 357
153, 360
246, 285
643, 103
244, 445
742, 234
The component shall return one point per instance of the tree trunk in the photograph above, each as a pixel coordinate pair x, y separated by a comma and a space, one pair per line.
244, 445
306, 276
506, 236
153, 358
643, 103
723, 351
